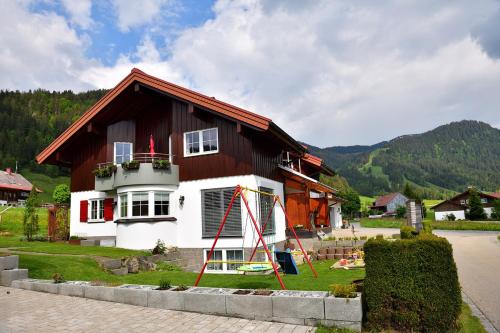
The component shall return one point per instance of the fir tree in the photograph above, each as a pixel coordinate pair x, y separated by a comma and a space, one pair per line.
30, 220
495, 212
476, 210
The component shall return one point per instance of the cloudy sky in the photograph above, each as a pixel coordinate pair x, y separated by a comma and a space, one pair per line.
328, 72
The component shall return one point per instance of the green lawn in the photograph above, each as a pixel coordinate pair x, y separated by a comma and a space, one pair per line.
45, 183
78, 268
12, 221
438, 225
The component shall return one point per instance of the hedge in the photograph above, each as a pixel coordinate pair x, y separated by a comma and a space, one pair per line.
411, 285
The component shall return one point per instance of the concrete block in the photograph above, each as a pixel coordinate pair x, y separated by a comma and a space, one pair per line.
6, 277
205, 303
288, 320
249, 306
107, 243
99, 293
343, 309
71, 289
166, 299
89, 242
45, 286
137, 297
9, 262
298, 307
25, 284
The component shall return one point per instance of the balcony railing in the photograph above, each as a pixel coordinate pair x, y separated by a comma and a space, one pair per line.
143, 169
142, 158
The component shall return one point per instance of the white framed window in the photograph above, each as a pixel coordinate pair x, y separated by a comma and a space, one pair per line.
96, 210
124, 205
484, 200
161, 203
140, 204
230, 260
122, 152
201, 142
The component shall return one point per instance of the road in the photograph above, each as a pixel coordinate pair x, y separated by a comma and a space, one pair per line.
477, 255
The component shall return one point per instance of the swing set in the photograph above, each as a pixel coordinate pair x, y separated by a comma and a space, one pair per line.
255, 265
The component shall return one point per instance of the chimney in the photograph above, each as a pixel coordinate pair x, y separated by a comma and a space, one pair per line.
9, 171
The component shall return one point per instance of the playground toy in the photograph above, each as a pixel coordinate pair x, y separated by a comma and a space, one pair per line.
241, 191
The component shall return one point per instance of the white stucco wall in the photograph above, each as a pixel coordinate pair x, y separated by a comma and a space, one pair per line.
488, 211
186, 231
89, 229
441, 216
336, 215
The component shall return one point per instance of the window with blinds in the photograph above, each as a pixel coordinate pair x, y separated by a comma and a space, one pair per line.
265, 208
214, 205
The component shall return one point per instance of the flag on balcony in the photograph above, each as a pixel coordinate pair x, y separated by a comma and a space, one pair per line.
151, 145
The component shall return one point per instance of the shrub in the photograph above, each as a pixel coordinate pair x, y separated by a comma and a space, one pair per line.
411, 285
476, 210
451, 217
159, 247
379, 236
343, 290
495, 212
166, 266
363, 237
164, 285
30, 218
58, 278
400, 212
407, 232
427, 227
61, 194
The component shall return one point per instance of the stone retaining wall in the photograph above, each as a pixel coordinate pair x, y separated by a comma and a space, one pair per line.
286, 306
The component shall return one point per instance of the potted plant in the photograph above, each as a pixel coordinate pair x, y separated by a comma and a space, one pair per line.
132, 165
161, 164
104, 171
74, 240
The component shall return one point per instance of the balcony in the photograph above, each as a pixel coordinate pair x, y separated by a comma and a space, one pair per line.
142, 170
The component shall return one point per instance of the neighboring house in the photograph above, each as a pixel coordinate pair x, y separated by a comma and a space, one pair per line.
14, 188
389, 203
459, 204
210, 147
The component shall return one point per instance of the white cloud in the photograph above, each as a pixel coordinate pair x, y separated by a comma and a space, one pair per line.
328, 72
80, 12
133, 14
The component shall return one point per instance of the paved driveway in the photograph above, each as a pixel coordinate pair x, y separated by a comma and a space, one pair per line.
29, 311
477, 254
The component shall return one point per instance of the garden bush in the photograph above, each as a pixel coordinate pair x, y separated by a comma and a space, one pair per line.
411, 285
407, 232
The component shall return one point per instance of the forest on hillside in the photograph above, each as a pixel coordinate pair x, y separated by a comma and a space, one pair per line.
30, 120
439, 162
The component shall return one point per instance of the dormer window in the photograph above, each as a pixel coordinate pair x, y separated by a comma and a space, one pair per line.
122, 152
201, 142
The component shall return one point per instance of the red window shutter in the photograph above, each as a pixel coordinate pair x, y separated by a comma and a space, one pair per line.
84, 205
108, 209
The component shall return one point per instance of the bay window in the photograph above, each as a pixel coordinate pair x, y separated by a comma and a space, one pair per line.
161, 203
140, 204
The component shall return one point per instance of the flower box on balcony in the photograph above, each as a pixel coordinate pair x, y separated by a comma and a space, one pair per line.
104, 171
161, 164
132, 165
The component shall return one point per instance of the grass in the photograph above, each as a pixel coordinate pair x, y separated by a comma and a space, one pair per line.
45, 183
438, 225
12, 221
468, 322
366, 202
80, 268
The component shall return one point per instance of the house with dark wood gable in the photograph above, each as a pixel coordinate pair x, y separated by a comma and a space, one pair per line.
459, 205
152, 160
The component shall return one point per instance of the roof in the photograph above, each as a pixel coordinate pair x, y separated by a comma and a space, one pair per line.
495, 194
14, 181
384, 200
318, 162
205, 102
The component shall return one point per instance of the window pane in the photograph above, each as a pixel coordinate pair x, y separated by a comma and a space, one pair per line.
265, 208
210, 140
93, 209
161, 203
216, 255
123, 205
234, 255
192, 143
140, 204
101, 210
119, 148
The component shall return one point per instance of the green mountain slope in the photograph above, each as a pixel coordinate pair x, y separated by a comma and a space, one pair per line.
439, 162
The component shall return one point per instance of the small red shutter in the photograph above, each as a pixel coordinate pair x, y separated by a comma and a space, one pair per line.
84, 205
108, 209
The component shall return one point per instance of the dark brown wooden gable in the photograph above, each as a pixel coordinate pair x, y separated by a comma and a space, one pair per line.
87, 151
235, 150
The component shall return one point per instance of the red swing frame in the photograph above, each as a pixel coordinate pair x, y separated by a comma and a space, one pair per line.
239, 190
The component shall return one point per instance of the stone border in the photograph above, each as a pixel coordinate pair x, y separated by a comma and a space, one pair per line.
286, 306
